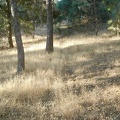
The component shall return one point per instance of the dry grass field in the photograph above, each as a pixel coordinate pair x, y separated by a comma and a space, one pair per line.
79, 81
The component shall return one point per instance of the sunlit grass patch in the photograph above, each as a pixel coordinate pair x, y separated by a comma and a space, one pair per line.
80, 80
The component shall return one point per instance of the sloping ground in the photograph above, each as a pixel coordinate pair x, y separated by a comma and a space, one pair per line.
79, 81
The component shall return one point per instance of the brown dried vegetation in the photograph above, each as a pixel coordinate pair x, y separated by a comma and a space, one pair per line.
79, 81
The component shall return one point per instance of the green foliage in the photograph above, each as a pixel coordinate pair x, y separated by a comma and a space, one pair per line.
3, 26
114, 8
3, 18
71, 10
75, 10
31, 13
2, 2
103, 12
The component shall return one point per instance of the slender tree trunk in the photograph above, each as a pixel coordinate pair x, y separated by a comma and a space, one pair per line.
10, 41
49, 44
117, 28
33, 33
17, 32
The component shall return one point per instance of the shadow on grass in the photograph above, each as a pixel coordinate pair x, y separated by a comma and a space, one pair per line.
96, 65
100, 63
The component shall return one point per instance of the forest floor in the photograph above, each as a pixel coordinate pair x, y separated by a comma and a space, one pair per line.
79, 81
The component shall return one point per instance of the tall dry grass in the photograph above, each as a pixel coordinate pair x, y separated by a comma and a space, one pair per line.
79, 81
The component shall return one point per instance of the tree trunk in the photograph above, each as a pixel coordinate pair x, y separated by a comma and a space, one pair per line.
33, 32
117, 28
10, 41
17, 32
49, 44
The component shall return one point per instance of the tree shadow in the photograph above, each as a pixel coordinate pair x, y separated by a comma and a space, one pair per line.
99, 58
100, 61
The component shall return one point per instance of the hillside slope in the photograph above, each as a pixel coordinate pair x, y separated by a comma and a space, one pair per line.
79, 81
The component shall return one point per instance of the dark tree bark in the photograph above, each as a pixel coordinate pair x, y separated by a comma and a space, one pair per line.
33, 32
10, 41
117, 28
49, 44
17, 32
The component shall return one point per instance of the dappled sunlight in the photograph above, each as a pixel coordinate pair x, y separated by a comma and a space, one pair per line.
82, 40
35, 47
59, 60
79, 79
